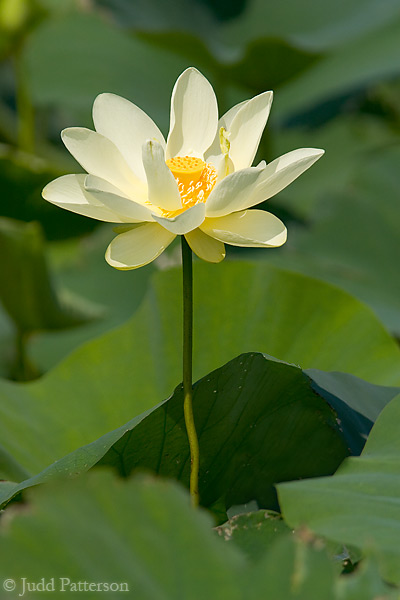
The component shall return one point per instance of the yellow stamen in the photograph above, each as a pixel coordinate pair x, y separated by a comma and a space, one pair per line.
186, 168
195, 180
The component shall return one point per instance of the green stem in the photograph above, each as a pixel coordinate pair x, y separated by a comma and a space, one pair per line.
187, 370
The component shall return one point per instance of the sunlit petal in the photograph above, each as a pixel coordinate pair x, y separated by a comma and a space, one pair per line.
127, 126
162, 187
185, 221
112, 198
194, 115
100, 157
281, 172
246, 129
244, 125
232, 193
138, 246
252, 228
205, 247
68, 192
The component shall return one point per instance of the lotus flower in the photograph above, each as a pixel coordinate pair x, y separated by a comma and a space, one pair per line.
200, 183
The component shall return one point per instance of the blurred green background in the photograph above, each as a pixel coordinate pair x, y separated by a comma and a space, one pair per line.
335, 71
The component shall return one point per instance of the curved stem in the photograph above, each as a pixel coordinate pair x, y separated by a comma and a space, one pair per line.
187, 370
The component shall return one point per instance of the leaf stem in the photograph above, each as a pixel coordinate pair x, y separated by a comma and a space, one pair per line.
187, 270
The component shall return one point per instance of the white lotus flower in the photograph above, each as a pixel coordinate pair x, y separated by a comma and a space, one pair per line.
200, 183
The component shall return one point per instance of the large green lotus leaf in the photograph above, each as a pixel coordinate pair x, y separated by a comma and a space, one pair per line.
79, 271
239, 307
360, 504
365, 262
266, 64
71, 59
190, 29
309, 23
350, 143
366, 399
154, 542
366, 583
11, 469
80, 268
22, 178
155, 15
169, 24
7, 344
252, 306
348, 68
57, 5
143, 534
27, 291
259, 421
254, 533
292, 569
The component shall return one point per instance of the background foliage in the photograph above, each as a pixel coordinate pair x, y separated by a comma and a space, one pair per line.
296, 349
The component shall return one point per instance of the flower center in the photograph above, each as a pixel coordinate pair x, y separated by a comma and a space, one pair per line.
194, 177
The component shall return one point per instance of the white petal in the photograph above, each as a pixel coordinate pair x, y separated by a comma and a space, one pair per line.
246, 129
68, 192
194, 115
127, 126
213, 153
162, 187
232, 193
138, 247
98, 156
222, 164
226, 119
185, 221
111, 197
98, 184
281, 172
205, 247
253, 228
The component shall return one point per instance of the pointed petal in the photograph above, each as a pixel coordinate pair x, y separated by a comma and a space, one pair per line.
227, 118
185, 221
244, 124
252, 228
138, 247
98, 156
232, 193
246, 129
205, 247
111, 197
194, 115
127, 126
68, 192
162, 187
222, 164
281, 172
213, 154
